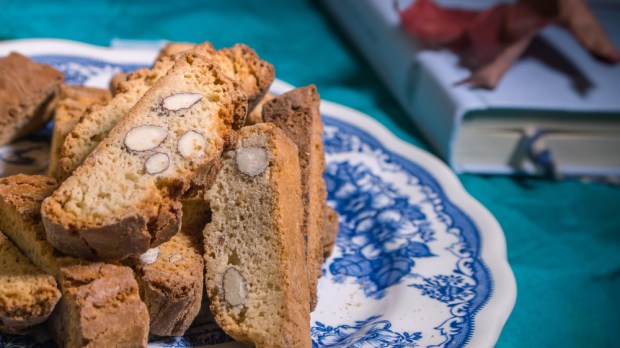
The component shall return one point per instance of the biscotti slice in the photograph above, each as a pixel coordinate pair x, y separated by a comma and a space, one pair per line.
171, 276
100, 307
297, 114
95, 124
26, 91
20, 219
123, 200
330, 232
242, 64
238, 62
254, 255
72, 103
20, 204
27, 294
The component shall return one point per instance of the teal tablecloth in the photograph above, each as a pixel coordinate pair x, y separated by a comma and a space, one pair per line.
563, 237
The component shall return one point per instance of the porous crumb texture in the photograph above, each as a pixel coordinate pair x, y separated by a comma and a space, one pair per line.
100, 307
20, 219
27, 294
20, 203
297, 114
72, 103
111, 207
330, 231
254, 257
239, 62
27, 95
243, 65
171, 287
95, 124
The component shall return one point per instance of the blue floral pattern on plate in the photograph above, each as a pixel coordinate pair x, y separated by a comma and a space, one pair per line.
400, 237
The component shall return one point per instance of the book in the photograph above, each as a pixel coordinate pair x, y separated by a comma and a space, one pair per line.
556, 95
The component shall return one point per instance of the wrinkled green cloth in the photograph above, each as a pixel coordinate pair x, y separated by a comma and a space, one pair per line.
563, 237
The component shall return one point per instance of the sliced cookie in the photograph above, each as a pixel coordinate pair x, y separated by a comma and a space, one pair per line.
254, 254
297, 114
171, 276
124, 199
28, 91
20, 219
100, 307
27, 294
72, 103
95, 124
239, 62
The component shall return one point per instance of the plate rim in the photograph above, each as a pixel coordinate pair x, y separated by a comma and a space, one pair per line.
492, 316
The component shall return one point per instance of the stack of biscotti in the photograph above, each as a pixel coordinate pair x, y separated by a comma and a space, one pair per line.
164, 178
27, 95
72, 102
27, 294
254, 252
95, 124
130, 185
93, 294
160, 280
170, 292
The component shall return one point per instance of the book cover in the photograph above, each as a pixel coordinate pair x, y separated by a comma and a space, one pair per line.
556, 96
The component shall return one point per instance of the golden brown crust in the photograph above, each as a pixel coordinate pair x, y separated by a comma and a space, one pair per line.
132, 234
72, 103
255, 230
27, 294
97, 123
253, 74
27, 90
171, 287
25, 193
148, 213
239, 63
297, 114
20, 205
100, 307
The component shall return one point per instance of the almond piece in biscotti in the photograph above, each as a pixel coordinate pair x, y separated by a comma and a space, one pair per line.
113, 207
253, 247
252, 161
180, 101
234, 287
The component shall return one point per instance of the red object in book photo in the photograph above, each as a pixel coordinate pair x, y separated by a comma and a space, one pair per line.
488, 42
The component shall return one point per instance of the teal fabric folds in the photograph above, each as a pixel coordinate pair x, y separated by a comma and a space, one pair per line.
563, 237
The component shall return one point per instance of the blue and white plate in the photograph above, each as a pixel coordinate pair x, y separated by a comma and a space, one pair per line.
418, 262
